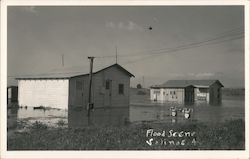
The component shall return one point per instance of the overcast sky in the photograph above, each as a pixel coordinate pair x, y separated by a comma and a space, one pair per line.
159, 43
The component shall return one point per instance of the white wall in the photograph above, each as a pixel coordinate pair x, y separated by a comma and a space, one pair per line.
155, 94
201, 95
164, 94
178, 96
49, 93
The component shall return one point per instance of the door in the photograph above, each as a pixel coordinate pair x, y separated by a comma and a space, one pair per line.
155, 96
108, 93
79, 93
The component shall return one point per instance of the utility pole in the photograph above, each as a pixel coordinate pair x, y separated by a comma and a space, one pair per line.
62, 60
90, 104
115, 54
143, 82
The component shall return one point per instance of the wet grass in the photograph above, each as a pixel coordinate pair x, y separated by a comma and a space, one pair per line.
208, 136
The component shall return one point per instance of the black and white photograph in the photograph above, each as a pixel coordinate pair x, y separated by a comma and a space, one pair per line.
126, 77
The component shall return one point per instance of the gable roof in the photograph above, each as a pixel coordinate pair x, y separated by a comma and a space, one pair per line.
186, 83
114, 65
67, 75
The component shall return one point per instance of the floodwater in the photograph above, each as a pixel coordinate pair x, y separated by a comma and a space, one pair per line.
142, 109
50, 117
199, 111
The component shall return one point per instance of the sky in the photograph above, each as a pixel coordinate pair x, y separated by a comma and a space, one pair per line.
155, 43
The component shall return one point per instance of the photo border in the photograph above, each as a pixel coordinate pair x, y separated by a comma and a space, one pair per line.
117, 154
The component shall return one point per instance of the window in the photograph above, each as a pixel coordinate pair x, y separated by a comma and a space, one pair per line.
157, 92
174, 92
203, 90
79, 85
121, 88
163, 93
107, 86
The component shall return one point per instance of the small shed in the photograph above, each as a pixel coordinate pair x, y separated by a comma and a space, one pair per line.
110, 96
187, 90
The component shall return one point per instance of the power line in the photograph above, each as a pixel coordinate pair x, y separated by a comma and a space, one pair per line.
170, 50
224, 37
179, 49
232, 32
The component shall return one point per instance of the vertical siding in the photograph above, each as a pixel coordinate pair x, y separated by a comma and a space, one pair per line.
215, 93
117, 112
178, 96
98, 88
73, 100
165, 95
153, 94
117, 77
49, 93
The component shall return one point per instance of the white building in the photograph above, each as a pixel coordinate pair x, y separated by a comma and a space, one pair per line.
48, 92
187, 91
63, 89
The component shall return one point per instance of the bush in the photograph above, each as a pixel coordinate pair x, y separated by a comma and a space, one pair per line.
138, 86
38, 126
216, 136
61, 123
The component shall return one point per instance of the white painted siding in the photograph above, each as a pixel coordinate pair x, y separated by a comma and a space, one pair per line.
175, 94
163, 94
201, 95
49, 93
155, 94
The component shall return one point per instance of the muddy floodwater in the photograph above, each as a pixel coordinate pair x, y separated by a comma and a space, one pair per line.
142, 109
199, 111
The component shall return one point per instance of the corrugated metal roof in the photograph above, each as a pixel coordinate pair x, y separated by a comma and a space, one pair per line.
186, 83
67, 73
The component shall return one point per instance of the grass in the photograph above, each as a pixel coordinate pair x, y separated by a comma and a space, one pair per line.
218, 136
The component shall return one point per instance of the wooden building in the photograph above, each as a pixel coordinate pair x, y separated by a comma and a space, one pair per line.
187, 91
110, 94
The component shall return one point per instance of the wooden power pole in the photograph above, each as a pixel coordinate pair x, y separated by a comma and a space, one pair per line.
90, 104
116, 54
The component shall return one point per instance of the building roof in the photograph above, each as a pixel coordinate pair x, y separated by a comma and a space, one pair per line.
186, 83
114, 65
64, 74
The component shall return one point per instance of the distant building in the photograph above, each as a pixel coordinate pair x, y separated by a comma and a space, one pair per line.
187, 91
110, 94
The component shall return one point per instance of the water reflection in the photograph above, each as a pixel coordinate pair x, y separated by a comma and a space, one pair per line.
139, 111
100, 116
199, 111
50, 117
12, 118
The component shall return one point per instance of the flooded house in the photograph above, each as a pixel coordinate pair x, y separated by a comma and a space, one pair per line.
110, 94
187, 91
47, 91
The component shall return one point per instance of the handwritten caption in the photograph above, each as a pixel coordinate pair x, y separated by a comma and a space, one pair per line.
170, 138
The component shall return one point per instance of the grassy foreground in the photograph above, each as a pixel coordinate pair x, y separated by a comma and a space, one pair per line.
227, 135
